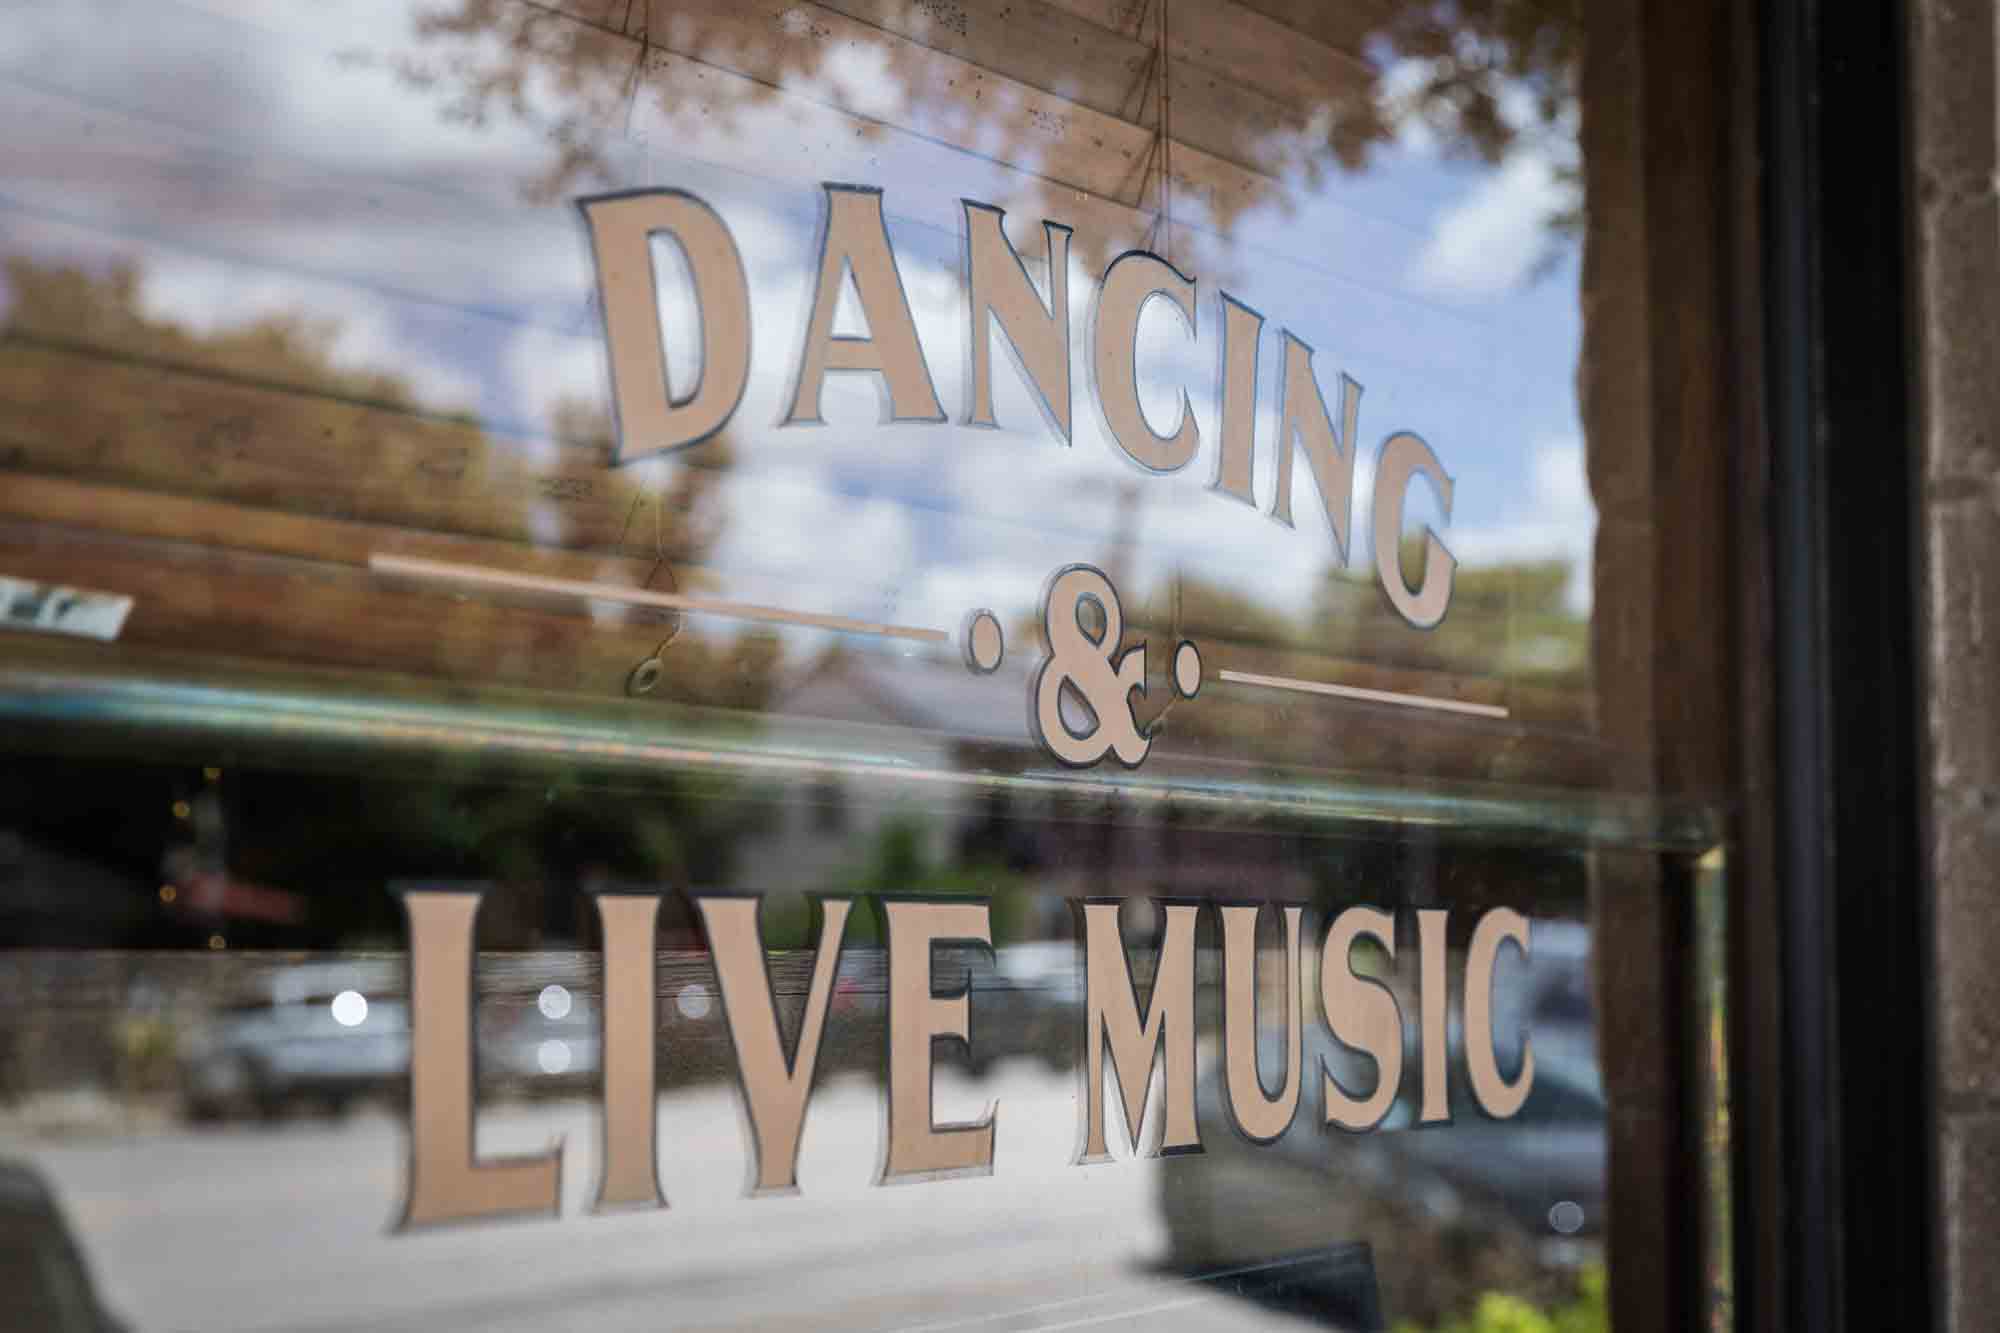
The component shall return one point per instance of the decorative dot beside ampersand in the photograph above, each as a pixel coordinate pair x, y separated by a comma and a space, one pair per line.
1187, 669
985, 645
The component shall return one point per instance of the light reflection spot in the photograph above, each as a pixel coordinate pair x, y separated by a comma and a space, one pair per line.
553, 1056
554, 1002
350, 1008
693, 1001
1566, 1217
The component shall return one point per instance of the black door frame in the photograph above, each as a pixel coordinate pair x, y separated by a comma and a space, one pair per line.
1854, 1186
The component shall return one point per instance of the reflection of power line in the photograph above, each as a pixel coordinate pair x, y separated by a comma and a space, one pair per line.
1124, 530
443, 571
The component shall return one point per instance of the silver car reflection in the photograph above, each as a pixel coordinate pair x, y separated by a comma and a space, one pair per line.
314, 1033
325, 1035
1528, 1193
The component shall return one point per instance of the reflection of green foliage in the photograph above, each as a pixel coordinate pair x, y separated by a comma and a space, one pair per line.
106, 311
1514, 611
145, 1049
375, 411
322, 835
1510, 618
897, 864
1500, 1312
1491, 77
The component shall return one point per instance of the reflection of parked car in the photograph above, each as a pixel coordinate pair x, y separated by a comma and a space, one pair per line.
324, 1032
554, 1043
1026, 1001
1532, 1185
42, 1273
329, 1033
1534, 1181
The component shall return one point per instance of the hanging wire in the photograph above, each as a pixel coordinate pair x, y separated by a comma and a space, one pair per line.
647, 673
1166, 137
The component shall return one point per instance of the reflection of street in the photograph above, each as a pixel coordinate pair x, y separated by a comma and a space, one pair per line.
287, 1227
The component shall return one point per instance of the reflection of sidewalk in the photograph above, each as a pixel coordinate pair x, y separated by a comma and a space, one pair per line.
286, 1227
82, 1113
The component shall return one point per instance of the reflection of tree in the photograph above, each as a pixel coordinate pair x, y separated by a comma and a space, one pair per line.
502, 48
261, 414
1352, 621
541, 846
1484, 78
1481, 77
1509, 623
1498, 610
79, 332
104, 311
1478, 74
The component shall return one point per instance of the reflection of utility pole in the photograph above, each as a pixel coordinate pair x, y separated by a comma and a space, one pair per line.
1124, 534
1120, 564
1131, 844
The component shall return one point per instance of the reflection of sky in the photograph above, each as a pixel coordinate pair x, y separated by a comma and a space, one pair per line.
253, 164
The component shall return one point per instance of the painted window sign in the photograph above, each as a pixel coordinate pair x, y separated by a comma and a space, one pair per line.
1123, 1034
635, 683
1081, 611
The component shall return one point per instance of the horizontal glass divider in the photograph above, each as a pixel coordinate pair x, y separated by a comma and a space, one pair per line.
272, 714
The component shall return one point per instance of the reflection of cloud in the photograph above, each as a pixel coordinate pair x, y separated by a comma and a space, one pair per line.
373, 204
1490, 241
1493, 237
945, 592
789, 522
854, 77
548, 368
1559, 522
210, 299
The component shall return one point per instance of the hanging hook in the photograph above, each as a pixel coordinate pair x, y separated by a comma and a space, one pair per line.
646, 676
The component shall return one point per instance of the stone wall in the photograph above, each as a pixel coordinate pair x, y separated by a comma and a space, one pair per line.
1956, 233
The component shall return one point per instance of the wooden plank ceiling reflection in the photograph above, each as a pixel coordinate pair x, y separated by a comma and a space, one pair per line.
238, 492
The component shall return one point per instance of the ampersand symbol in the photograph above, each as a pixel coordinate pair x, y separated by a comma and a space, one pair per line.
1092, 669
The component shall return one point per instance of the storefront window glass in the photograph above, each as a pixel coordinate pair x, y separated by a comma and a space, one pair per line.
650, 512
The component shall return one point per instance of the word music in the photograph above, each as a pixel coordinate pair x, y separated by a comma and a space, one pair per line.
450, 1183
652, 419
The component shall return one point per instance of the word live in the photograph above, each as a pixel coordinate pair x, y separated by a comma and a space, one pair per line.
450, 1183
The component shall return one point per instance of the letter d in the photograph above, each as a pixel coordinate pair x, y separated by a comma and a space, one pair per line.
650, 419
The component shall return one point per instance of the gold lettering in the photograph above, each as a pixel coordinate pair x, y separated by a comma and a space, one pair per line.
1431, 1008
447, 1183
775, 1087
1111, 1006
917, 1018
1362, 1015
650, 419
631, 1027
1000, 289
1241, 327
1403, 456
1497, 1097
1303, 424
1261, 1119
1134, 279
857, 242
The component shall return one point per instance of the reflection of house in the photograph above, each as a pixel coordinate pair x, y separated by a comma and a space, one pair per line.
935, 718
940, 718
